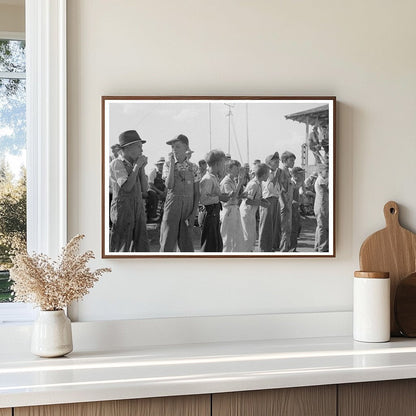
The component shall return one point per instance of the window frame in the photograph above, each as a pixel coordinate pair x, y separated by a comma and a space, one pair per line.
46, 122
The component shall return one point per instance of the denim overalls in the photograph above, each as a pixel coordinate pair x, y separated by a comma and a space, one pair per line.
128, 232
178, 207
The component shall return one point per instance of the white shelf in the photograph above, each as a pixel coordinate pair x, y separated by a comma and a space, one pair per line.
151, 371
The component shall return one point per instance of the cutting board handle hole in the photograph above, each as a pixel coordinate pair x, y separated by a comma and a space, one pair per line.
391, 213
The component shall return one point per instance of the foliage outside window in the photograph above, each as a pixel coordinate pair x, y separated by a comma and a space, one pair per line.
12, 156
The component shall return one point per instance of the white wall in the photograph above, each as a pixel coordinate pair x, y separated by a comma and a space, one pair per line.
12, 17
361, 51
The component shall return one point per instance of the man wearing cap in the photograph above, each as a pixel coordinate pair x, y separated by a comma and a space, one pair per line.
288, 160
181, 205
128, 233
269, 224
157, 191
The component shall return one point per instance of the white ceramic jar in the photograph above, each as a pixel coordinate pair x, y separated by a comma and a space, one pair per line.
52, 334
371, 310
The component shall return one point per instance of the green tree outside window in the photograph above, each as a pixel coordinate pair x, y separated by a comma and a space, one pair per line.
12, 148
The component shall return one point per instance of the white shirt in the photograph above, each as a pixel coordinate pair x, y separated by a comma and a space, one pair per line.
118, 171
269, 188
210, 189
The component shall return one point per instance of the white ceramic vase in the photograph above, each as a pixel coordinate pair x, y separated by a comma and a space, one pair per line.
52, 334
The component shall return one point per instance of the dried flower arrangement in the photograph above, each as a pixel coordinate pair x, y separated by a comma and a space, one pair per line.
53, 285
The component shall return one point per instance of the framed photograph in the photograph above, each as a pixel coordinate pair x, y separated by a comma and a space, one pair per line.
218, 177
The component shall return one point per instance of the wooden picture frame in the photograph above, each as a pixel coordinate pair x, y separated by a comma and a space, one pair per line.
144, 220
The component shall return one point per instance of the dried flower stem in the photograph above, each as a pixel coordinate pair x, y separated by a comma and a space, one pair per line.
53, 285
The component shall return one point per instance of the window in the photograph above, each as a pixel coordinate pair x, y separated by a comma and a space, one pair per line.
12, 155
12, 166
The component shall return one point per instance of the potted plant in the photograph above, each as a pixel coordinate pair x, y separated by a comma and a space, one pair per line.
52, 286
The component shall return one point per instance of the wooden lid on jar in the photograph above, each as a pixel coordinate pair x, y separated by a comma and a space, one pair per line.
372, 275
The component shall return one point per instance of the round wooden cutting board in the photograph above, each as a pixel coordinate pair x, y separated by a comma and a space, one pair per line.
393, 250
405, 306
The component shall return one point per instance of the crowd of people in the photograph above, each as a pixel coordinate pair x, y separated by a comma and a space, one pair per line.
239, 208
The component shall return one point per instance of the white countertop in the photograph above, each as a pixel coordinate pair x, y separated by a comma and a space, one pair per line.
151, 371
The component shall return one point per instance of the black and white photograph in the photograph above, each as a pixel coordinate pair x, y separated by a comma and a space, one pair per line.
218, 176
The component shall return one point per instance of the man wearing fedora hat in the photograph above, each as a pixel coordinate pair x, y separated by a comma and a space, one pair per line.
127, 213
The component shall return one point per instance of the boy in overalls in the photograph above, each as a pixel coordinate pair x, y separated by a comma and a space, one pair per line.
181, 205
128, 179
